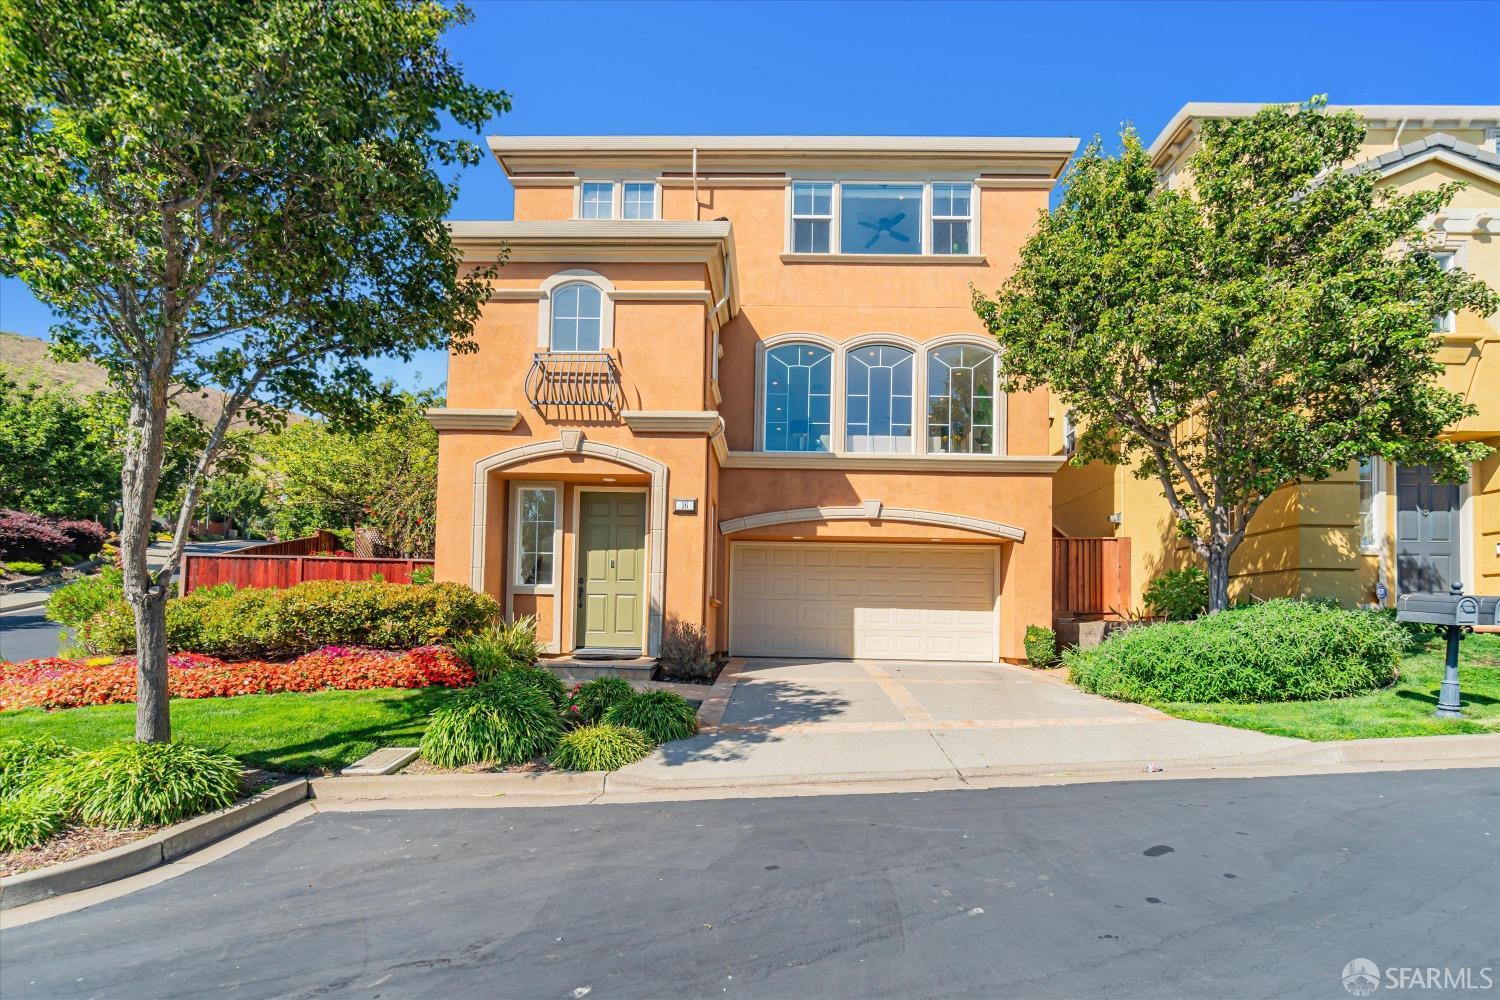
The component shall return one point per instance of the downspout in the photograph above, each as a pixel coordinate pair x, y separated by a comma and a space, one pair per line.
1399, 129
696, 203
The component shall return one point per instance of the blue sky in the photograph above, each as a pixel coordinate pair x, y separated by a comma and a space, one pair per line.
928, 69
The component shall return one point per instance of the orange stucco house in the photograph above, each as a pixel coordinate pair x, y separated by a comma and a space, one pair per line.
736, 382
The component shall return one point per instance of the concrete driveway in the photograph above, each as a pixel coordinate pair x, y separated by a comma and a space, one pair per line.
887, 720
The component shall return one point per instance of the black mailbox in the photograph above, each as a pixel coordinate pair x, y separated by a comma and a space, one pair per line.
1453, 614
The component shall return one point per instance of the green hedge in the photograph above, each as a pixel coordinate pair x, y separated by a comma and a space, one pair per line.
1277, 651
251, 622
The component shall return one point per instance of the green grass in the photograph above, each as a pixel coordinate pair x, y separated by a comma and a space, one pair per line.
297, 733
1403, 709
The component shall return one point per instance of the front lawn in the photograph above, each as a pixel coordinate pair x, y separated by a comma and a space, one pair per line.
1403, 709
317, 732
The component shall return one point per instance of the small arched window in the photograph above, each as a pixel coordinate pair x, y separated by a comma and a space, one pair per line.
577, 317
961, 400
878, 399
799, 398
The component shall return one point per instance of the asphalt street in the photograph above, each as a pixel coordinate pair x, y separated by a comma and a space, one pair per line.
1222, 888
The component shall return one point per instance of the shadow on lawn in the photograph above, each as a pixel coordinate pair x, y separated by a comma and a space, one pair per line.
319, 755
1465, 698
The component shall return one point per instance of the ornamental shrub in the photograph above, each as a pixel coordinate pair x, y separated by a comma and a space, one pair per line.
592, 698
145, 784
85, 538
24, 762
1280, 650
25, 567
661, 715
30, 538
255, 622
1041, 646
503, 721
75, 603
542, 680
684, 652
30, 818
600, 748
1178, 595
501, 646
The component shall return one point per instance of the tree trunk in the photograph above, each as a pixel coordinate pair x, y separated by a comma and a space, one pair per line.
1218, 580
139, 477
153, 720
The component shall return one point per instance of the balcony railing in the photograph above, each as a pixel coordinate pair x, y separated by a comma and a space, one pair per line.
577, 381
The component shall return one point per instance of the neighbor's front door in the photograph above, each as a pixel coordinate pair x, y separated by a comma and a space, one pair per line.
1427, 545
611, 569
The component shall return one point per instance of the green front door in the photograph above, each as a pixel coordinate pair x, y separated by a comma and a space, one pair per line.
611, 570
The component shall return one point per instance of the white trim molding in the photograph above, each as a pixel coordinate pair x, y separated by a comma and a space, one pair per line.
461, 419
873, 510
671, 421
934, 462
656, 537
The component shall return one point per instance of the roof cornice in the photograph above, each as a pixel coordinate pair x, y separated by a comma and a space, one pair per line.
1180, 129
1029, 156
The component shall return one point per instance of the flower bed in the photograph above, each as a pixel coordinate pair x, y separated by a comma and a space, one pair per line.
59, 683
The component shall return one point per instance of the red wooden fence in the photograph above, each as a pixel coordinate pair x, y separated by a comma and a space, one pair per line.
1090, 577
323, 541
282, 571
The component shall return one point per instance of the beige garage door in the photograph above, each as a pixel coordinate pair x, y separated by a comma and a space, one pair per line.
879, 602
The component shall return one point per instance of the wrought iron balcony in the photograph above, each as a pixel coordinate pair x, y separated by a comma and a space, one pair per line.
584, 380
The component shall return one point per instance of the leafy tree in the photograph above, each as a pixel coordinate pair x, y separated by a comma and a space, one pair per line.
382, 476
61, 454
1269, 322
238, 194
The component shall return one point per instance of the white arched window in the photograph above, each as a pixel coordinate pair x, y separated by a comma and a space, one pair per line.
799, 398
878, 399
961, 400
577, 317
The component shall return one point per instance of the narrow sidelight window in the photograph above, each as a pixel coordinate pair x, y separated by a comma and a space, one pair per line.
536, 528
812, 216
951, 218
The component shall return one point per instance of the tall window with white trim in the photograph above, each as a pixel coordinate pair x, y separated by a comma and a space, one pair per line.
799, 398
640, 200
577, 317
1448, 321
951, 217
812, 216
1367, 468
961, 400
597, 200
878, 399
536, 529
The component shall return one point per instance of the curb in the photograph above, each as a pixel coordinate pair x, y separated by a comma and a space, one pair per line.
456, 786
159, 848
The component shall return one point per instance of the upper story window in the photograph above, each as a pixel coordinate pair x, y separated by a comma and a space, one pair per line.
880, 218
961, 400
799, 398
577, 317
812, 216
640, 200
878, 399
1448, 321
597, 200
951, 216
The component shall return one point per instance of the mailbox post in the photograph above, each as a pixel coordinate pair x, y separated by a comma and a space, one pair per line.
1451, 614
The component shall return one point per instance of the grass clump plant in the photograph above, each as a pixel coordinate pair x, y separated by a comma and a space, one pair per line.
601, 747
29, 818
661, 715
506, 720
23, 762
592, 698
144, 784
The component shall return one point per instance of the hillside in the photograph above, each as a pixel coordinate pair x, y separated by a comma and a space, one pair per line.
28, 355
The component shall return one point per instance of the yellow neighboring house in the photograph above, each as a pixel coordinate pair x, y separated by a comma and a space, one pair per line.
1378, 529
